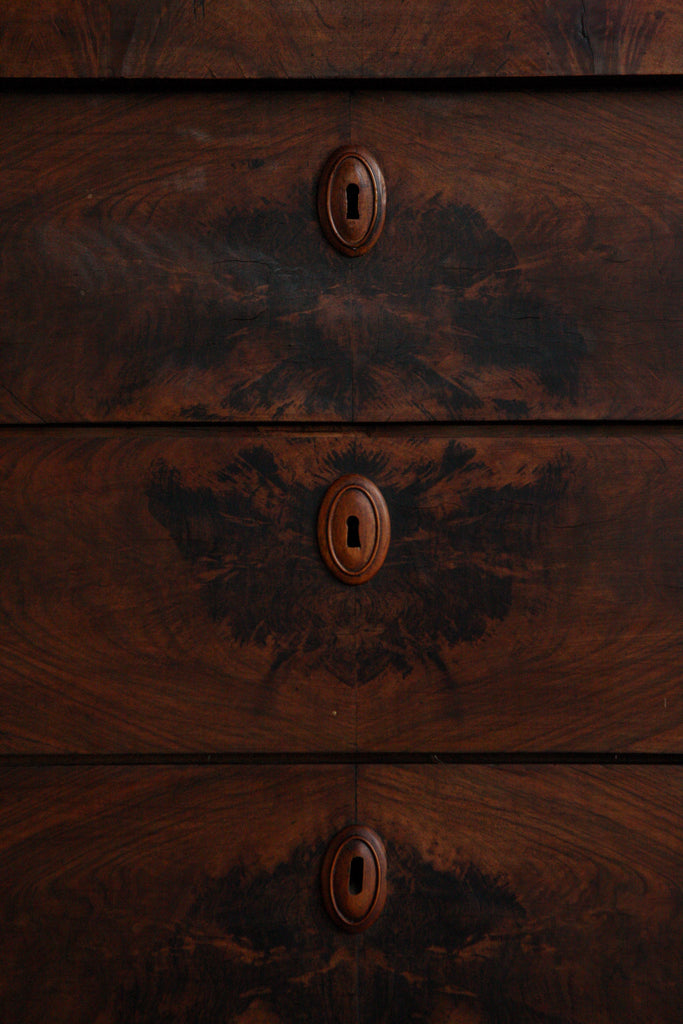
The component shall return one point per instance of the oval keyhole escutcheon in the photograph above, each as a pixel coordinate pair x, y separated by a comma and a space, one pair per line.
353, 529
354, 878
352, 200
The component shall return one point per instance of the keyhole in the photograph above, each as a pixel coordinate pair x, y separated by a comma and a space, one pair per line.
352, 533
352, 202
356, 876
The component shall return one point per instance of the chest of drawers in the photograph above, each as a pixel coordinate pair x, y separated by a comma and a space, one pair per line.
193, 706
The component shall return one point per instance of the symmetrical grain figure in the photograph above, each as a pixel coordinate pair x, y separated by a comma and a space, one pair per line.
341, 488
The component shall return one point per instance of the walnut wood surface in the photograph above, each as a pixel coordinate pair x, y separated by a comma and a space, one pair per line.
162, 590
537, 895
542, 894
154, 894
162, 257
325, 39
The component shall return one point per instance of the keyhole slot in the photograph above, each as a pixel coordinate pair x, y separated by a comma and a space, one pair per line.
352, 532
352, 192
356, 876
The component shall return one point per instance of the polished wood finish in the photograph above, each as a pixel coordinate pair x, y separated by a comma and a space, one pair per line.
125, 629
354, 529
524, 894
283, 39
163, 590
193, 707
354, 878
151, 894
352, 200
163, 259
539, 894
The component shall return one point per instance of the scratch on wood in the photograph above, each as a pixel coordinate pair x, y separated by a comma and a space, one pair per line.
584, 34
23, 405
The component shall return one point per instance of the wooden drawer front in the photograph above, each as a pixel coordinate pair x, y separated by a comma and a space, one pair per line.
162, 257
166, 893
163, 590
153, 893
321, 39
540, 894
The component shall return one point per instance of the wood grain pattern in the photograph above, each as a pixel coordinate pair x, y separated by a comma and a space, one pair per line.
161, 587
321, 39
537, 895
163, 590
157, 894
162, 258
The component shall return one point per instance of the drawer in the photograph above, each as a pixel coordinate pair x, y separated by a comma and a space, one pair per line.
163, 590
283, 39
163, 259
148, 893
